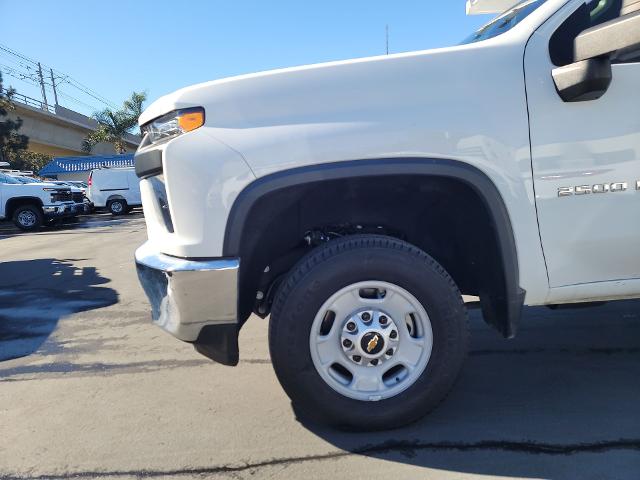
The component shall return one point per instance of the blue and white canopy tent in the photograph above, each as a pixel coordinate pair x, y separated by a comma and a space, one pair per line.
78, 168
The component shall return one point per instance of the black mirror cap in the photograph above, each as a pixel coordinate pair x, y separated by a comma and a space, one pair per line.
619, 34
583, 81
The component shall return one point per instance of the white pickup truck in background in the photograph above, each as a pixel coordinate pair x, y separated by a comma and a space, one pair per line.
77, 193
32, 205
355, 201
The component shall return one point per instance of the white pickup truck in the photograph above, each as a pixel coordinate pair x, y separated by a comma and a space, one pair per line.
356, 201
32, 205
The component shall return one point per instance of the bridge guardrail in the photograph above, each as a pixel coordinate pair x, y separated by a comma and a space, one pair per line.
31, 102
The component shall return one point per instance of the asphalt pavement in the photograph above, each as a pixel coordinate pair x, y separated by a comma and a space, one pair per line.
90, 389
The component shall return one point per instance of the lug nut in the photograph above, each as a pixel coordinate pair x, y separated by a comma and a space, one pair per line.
393, 334
389, 352
356, 358
351, 326
366, 316
374, 362
383, 320
347, 343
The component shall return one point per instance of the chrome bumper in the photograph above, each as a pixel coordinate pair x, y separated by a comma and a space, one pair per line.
63, 210
82, 208
188, 295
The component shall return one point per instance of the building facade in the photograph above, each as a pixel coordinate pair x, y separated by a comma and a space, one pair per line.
57, 131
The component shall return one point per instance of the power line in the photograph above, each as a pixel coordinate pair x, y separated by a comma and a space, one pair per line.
74, 83
76, 101
12, 52
12, 72
10, 58
35, 83
17, 74
32, 65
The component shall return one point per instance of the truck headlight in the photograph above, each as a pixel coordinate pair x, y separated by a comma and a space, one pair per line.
173, 124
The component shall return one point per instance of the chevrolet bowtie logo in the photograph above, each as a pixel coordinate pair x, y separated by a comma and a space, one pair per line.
373, 343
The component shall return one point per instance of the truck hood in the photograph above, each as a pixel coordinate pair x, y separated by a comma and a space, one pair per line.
34, 187
284, 95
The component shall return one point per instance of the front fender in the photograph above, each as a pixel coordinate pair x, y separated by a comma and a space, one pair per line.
502, 312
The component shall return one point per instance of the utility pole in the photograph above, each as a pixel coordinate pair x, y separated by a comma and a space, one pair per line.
44, 93
53, 84
387, 37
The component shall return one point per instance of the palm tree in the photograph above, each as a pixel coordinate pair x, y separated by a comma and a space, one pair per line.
113, 125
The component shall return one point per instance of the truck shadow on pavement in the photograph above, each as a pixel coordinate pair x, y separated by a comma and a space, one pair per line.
36, 294
560, 401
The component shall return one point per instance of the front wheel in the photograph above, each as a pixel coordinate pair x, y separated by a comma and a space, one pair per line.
28, 218
368, 332
117, 207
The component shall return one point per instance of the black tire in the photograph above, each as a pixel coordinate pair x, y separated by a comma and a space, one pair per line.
336, 265
31, 212
117, 206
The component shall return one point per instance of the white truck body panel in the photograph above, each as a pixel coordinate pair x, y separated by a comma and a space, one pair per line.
108, 183
466, 103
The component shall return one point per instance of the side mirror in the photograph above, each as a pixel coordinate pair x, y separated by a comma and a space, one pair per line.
590, 76
582, 81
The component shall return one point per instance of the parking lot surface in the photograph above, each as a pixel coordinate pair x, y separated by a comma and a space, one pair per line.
90, 389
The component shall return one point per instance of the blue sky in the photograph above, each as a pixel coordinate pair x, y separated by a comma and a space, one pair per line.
114, 47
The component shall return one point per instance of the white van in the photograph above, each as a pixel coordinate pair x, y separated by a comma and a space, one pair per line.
116, 189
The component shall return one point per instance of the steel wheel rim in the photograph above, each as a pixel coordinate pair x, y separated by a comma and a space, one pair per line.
116, 207
27, 218
391, 374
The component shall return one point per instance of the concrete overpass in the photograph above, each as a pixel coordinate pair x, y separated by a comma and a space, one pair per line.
58, 131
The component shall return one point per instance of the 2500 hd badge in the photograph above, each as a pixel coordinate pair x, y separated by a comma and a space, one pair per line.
597, 188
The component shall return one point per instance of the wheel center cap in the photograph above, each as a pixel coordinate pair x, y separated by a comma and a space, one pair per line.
369, 338
372, 343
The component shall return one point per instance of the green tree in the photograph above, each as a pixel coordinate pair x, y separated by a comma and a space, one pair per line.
114, 124
10, 140
28, 160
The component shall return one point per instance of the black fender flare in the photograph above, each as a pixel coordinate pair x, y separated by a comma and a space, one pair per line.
503, 313
9, 205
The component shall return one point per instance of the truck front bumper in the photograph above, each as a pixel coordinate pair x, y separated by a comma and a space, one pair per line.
194, 300
59, 211
83, 208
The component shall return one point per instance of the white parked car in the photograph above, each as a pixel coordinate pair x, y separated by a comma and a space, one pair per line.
34, 204
355, 201
116, 189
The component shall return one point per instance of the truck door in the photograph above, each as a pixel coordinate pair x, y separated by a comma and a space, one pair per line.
585, 156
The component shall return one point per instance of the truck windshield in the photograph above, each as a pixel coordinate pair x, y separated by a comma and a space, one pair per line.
7, 179
505, 21
26, 180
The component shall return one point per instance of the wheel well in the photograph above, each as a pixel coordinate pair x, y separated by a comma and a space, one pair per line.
116, 197
447, 217
14, 203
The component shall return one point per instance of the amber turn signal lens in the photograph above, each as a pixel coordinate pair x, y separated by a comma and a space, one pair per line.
191, 119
